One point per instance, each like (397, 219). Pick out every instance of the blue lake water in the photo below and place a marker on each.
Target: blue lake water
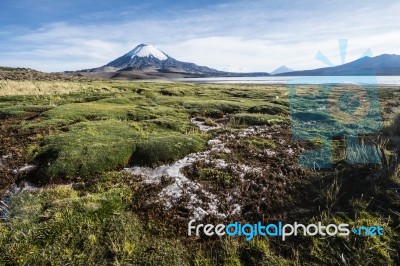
(359, 80)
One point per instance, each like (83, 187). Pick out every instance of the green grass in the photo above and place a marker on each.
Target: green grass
(271, 109)
(213, 108)
(165, 149)
(222, 178)
(57, 226)
(15, 110)
(92, 147)
(136, 109)
(260, 143)
(373, 250)
(255, 119)
(87, 148)
(101, 126)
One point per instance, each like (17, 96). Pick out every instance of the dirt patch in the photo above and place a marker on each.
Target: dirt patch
(13, 150)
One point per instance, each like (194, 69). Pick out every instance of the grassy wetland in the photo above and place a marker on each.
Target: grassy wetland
(84, 180)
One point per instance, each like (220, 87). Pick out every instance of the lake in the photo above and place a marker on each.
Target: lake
(360, 80)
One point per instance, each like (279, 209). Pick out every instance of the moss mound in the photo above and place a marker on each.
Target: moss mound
(256, 119)
(166, 149)
(271, 109)
(87, 148)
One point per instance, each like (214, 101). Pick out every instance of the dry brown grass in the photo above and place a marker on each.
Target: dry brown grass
(8, 87)
(18, 88)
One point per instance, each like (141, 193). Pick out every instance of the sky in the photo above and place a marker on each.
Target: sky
(257, 35)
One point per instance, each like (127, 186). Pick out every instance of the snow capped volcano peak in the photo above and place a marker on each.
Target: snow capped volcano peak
(147, 58)
(146, 50)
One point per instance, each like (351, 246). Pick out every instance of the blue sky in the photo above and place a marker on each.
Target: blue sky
(232, 35)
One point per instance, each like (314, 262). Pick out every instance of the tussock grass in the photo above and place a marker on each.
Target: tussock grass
(271, 109)
(212, 107)
(14, 88)
(353, 249)
(87, 148)
(257, 119)
(165, 149)
(57, 226)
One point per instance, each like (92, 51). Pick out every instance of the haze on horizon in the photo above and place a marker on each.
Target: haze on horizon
(231, 35)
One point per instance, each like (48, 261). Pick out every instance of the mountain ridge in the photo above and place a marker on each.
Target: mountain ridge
(282, 69)
(381, 65)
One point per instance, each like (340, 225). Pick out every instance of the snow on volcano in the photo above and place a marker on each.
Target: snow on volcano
(146, 50)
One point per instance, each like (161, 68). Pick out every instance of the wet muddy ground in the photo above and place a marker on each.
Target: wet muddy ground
(13, 157)
(243, 174)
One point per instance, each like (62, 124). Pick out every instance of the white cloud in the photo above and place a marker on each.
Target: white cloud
(256, 36)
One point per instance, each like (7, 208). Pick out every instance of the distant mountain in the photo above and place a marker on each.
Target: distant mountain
(145, 60)
(382, 65)
(281, 70)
